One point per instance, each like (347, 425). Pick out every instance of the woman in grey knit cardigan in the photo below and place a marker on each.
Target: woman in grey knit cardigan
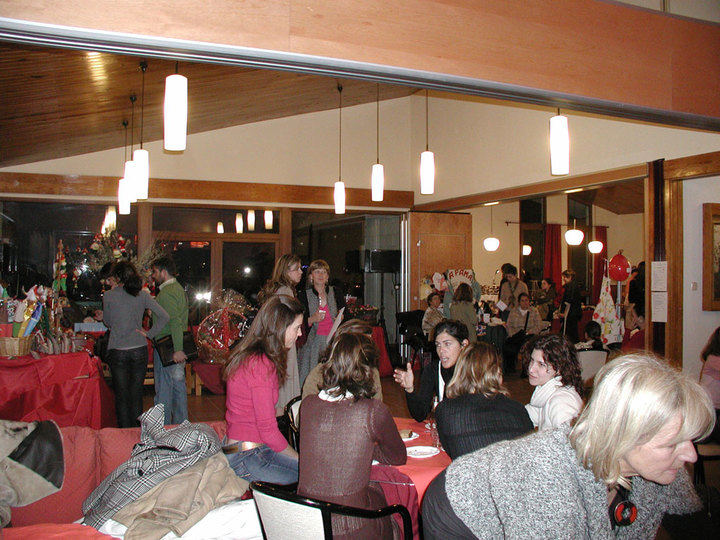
(630, 443)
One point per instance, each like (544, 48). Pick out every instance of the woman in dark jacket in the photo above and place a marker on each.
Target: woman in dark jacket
(322, 304)
(571, 297)
(476, 410)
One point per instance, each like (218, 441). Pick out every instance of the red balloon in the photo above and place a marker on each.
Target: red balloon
(619, 267)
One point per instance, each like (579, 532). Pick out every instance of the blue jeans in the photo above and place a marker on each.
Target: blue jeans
(262, 464)
(170, 390)
(127, 368)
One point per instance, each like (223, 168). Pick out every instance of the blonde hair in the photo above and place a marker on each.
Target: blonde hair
(317, 264)
(477, 371)
(634, 397)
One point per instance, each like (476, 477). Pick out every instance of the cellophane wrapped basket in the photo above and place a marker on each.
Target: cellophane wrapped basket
(15, 346)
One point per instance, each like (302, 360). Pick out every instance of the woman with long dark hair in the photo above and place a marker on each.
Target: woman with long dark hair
(286, 275)
(123, 308)
(545, 299)
(571, 304)
(710, 376)
(255, 448)
(553, 369)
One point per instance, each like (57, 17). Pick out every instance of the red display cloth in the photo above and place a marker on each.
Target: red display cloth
(211, 376)
(599, 263)
(384, 365)
(557, 324)
(67, 388)
(553, 255)
(49, 531)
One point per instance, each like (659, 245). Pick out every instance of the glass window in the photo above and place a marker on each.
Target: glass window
(247, 266)
(532, 240)
(192, 260)
(579, 258)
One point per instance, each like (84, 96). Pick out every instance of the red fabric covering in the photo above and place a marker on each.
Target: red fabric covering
(557, 324)
(211, 376)
(68, 531)
(384, 365)
(636, 342)
(553, 256)
(67, 388)
(90, 455)
(396, 488)
(599, 263)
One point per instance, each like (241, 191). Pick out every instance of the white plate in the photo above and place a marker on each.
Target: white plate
(412, 437)
(422, 451)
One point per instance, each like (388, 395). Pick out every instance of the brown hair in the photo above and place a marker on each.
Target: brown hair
(266, 335)
(353, 326)
(432, 295)
(569, 273)
(559, 353)
(463, 293)
(477, 371)
(279, 277)
(712, 346)
(349, 367)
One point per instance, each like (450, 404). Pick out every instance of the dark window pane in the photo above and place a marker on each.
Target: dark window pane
(532, 264)
(247, 266)
(192, 260)
(532, 210)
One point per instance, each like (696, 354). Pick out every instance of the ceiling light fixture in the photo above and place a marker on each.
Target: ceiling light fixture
(220, 227)
(377, 181)
(140, 156)
(596, 246)
(574, 236)
(131, 174)
(427, 158)
(491, 203)
(251, 220)
(268, 220)
(176, 112)
(123, 194)
(559, 145)
(239, 223)
(491, 243)
(339, 193)
(110, 221)
(574, 190)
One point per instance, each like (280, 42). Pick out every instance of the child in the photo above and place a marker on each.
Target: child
(593, 339)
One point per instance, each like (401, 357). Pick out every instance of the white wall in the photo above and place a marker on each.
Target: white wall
(708, 10)
(625, 231)
(697, 324)
(485, 263)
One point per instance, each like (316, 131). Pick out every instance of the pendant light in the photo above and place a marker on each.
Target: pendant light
(339, 193)
(140, 156)
(526, 250)
(131, 172)
(268, 220)
(596, 246)
(574, 236)
(427, 159)
(220, 227)
(491, 243)
(123, 195)
(175, 112)
(559, 145)
(251, 220)
(110, 221)
(239, 223)
(377, 181)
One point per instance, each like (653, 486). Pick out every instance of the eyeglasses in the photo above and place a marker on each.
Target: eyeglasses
(542, 366)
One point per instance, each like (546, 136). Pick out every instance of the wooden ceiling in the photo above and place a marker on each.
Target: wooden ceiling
(620, 198)
(57, 103)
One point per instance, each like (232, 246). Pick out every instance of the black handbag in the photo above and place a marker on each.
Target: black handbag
(165, 349)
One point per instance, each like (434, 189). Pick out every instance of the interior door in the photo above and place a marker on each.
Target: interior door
(438, 241)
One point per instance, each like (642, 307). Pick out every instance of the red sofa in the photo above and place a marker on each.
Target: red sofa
(90, 455)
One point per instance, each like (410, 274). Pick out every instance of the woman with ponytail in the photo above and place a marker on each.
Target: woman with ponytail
(123, 308)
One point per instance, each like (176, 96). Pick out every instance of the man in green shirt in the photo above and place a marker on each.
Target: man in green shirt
(170, 381)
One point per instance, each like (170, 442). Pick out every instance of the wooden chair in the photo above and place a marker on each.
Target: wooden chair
(591, 362)
(292, 414)
(285, 515)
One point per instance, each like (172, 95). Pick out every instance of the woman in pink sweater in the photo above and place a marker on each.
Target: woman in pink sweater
(254, 446)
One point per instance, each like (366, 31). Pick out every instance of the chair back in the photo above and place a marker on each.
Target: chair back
(591, 362)
(292, 416)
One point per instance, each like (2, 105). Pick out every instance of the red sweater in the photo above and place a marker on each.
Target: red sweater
(252, 392)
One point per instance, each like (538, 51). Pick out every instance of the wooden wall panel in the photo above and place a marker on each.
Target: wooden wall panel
(582, 47)
(438, 241)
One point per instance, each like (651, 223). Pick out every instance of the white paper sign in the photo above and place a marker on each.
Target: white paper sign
(658, 276)
(659, 306)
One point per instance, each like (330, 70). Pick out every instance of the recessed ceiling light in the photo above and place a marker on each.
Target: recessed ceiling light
(575, 190)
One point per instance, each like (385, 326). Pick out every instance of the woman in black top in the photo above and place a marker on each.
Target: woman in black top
(477, 411)
(571, 297)
(450, 338)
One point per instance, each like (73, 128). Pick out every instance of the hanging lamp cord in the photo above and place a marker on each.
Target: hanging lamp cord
(133, 99)
(427, 122)
(340, 89)
(377, 124)
(143, 67)
(125, 125)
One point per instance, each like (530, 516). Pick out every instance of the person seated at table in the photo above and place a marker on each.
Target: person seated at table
(631, 443)
(450, 338)
(255, 448)
(342, 431)
(511, 290)
(462, 309)
(127, 355)
(593, 338)
(524, 322)
(313, 382)
(476, 410)
(545, 299)
(553, 369)
(571, 304)
(433, 314)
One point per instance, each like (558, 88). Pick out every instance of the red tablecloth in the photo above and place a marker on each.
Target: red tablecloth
(67, 388)
(384, 365)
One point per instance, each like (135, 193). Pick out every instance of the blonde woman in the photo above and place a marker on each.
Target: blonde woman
(322, 304)
(285, 277)
(476, 410)
(615, 473)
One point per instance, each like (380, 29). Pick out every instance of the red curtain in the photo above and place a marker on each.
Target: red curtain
(553, 255)
(599, 263)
